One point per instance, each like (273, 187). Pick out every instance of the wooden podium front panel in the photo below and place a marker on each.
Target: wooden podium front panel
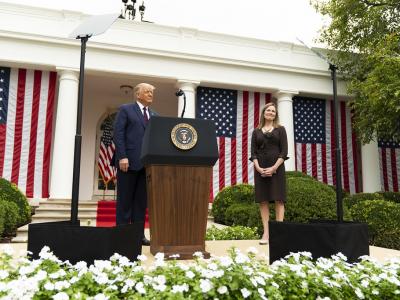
(178, 207)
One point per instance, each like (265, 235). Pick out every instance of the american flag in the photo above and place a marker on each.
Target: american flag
(106, 152)
(236, 114)
(26, 117)
(315, 142)
(389, 164)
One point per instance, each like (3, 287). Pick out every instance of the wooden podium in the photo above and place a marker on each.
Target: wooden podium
(178, 154)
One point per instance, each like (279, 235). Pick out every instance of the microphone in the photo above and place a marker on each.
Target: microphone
(182, 93)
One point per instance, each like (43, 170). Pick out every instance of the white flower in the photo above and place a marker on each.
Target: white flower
(375, 292)
(142, 257)
(183, 267)
(226, 261)
(180, 288)
(140, 288)
(205, 285)
(81, 265)
(359, 293)
(252, 250)
(25, 270)
(101, 278)
(159, 255)
(100, 297)
(254, 281)
(160, 279)
(260, 280)
(3, 274)
(60, 285)
(325, 298)
(273, 283)
(241, 258)
(49, 286)
(61, 296)
(364, 283)
(174, 256)
(124, 261)
(212, 266)
(245, 293)
(189, 274)
(222, 290)
(261, 291)
(198, 254)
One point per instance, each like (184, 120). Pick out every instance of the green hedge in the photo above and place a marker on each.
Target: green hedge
(10, 217)
(391, 196)
(2, 214)
(231, 233)
(383, 219)
(17, 203)
(351, 200)
(307, 199)
(241, 193)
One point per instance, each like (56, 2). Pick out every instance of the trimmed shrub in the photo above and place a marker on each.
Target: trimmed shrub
(9, 192)
(241, 193)
(231, 233)
(298, 174)
(383, 219)
(238, 214)
(2, 213)
(310, 199)
(10, 217)
(351, 200)
(391, 196)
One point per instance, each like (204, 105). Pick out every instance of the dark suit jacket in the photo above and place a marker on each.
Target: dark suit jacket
(128, 134)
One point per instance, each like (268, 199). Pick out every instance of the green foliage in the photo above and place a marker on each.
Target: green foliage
(350, 200)
(310, 199)
(231, 233)
(10, 217)
(365, 37)
(228, 196)
(391, 196)
(383, 219)
(290, 174)
(9, 192)
(307, 199)
(2, 214)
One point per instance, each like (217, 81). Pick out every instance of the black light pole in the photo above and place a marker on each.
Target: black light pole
(78, 136)
(339, 200)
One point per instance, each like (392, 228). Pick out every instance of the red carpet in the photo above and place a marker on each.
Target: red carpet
(106, 214)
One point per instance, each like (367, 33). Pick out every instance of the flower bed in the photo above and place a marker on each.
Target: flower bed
(236, 276)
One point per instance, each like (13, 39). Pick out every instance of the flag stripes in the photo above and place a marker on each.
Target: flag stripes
(27, 101)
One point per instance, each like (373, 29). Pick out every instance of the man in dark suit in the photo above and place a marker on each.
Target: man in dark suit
(129, 128)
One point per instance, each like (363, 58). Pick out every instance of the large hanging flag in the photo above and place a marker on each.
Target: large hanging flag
(26, 118)
(236, 114)
(315, 141)
(106, 152)
(389, 164)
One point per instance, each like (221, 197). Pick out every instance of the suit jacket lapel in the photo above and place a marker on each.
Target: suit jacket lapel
(139, 114)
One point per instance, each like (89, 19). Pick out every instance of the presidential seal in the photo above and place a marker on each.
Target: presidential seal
(184, 136)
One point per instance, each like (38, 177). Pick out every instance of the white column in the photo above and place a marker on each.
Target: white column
(189, 87)
(371, 178)
(64, 138)
(285, 111)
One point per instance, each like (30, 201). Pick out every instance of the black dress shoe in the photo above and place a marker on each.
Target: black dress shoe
(145, 242)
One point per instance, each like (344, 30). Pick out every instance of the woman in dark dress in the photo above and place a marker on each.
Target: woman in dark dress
(268, 153)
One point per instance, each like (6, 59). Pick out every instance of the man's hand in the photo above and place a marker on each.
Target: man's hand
(124, 164)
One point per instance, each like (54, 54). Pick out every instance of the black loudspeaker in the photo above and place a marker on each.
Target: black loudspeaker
(85, 243)
(322, 238)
